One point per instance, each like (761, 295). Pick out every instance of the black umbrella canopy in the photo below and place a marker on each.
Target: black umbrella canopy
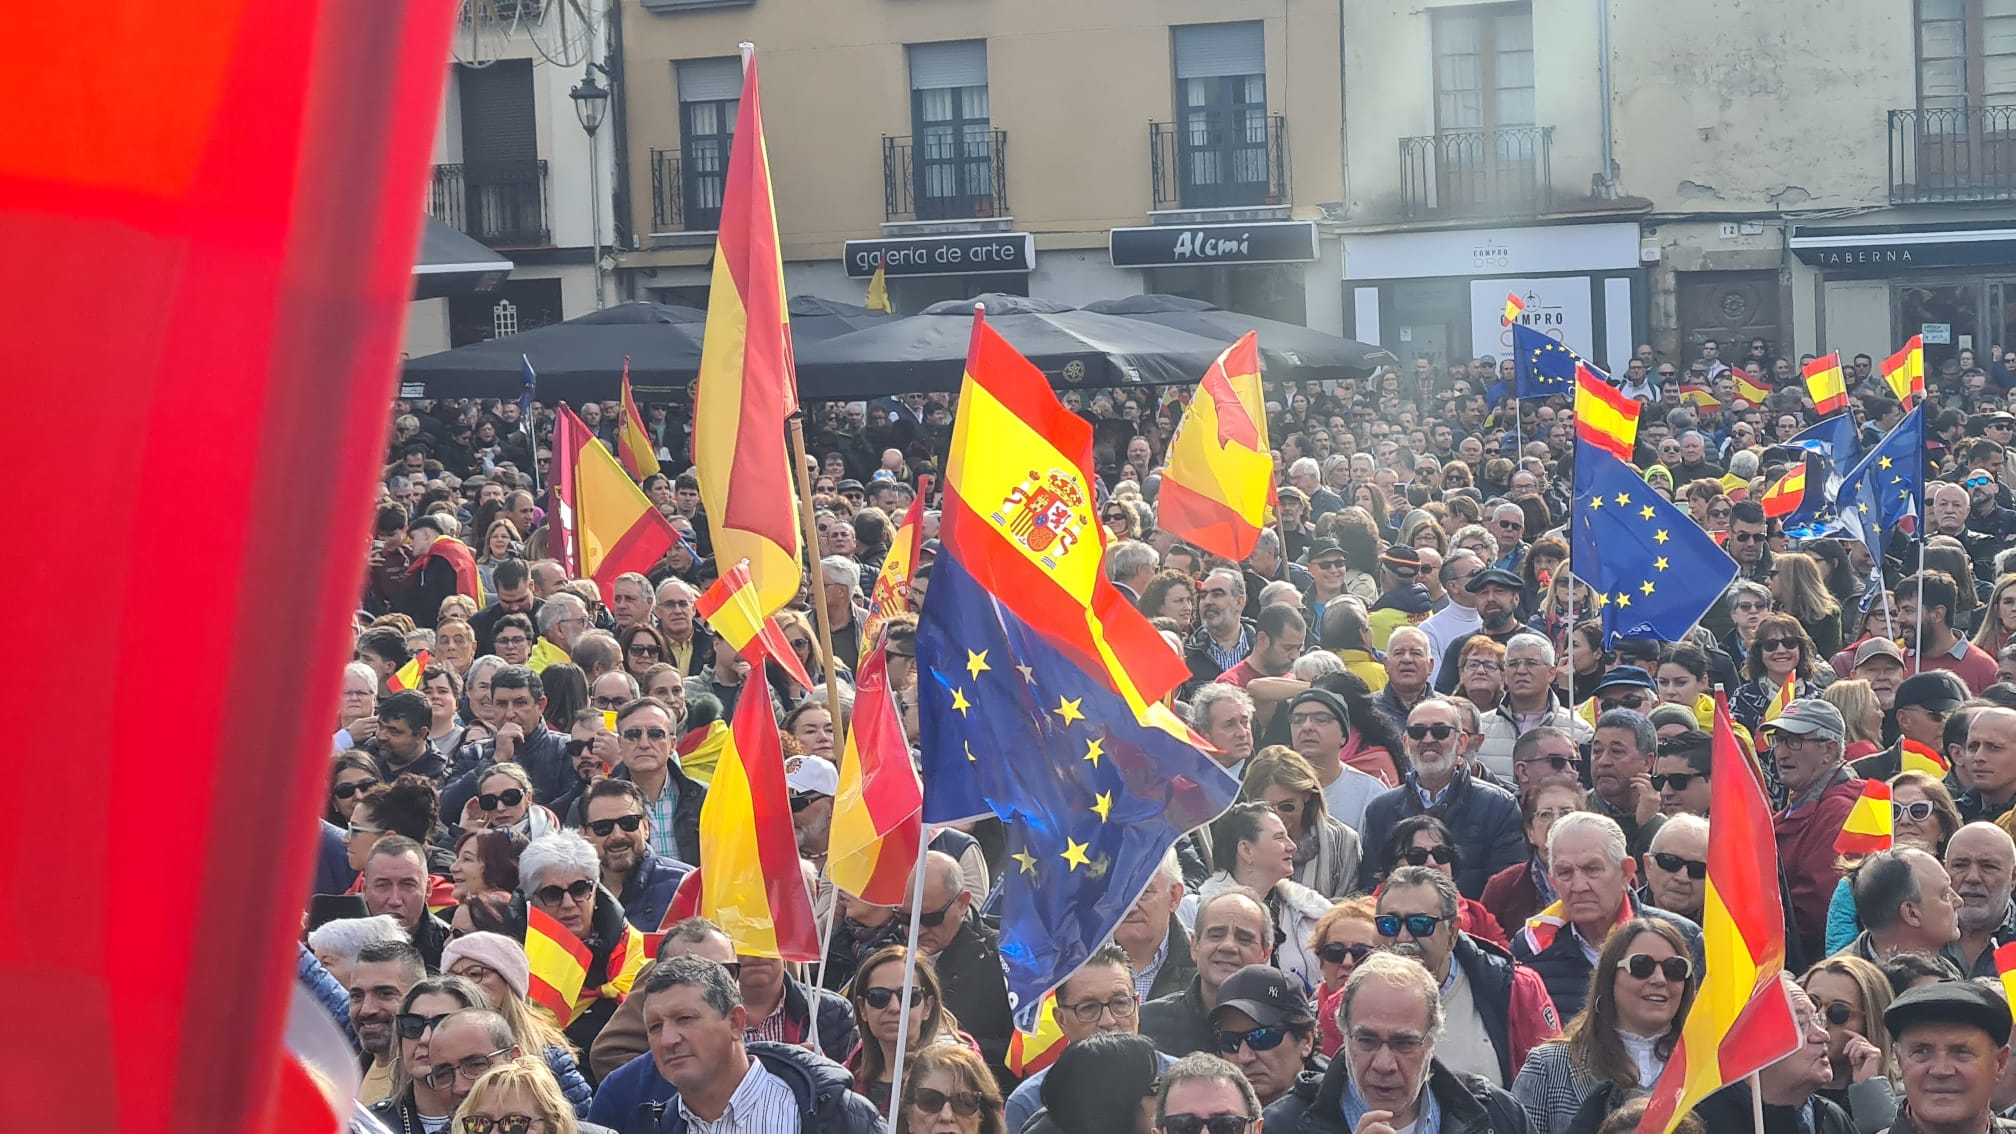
(578, 360)
(815, 320)
(1287, 350)
(1073, 348)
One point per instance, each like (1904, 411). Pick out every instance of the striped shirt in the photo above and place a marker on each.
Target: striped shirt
(762, 1104)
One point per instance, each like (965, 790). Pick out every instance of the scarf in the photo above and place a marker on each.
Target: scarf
(1542, 884)
(1542, 928)
(1427, 1121)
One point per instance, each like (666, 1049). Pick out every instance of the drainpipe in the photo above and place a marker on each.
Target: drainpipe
(1343, 120)
(1607, 180)
(623, 231)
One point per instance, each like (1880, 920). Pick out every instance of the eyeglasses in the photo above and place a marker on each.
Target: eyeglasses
(655, 734)
(1640, 966)
(1087, 1011)
(361, 829)
(1442, 853)
(1770, 644)
(880, 998)
(645, 650)
(1674, 864)
(354, 787)
(472, 1068)
(1678, 780)
(1424, 731)
(1481, 665)
(1336, 952)
(1259, 1039)
(800, 800)
(1558, 763)
(1917, 811)
(509, 797)
(601, 828)
(1839, 1013)
(1418, 925)
(934, 918)
(513, 640)
(928, 1101)
(1403, 1045)
(412, 1025)
(509, 1124)
(1205, 1124)
(551, 895)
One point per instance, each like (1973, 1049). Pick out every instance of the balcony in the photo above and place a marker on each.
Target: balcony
(1961, 153)
(503, 204)
(1219, 161)
(1507, 171)
(945, 176)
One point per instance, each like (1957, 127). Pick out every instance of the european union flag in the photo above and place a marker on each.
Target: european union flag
(1091, 796)
(1545, 367)
(1653, 570)
(1886, 487)
(1832, 446)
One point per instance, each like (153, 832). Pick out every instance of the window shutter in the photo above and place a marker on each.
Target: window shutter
(709, 80)
(941, 66)
(499, 123)
(1210, 51)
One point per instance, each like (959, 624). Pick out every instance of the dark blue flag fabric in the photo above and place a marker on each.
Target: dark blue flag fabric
(1886, 488)
(1653, 570)
(1091, 795)
(1544, 366)
(1832, 447)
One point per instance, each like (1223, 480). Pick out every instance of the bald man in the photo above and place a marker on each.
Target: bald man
(1981, 858)
(967, 956)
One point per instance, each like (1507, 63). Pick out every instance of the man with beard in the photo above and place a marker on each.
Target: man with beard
(1496, 593)
(1459, 617)
(1990, 526)
(384, 971)
(1483, 818)
(1925, 605)
(1676, 866)
(614, 819)
(1233, 931)
(1981, 860)
(1223, 636)
(1916, 708)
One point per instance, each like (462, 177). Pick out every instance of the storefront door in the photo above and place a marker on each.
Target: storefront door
(1947, 314)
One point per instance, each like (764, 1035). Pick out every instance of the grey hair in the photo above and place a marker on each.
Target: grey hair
(487, 662)
(1203, 1067)
(1743, 588)
(1209, 697)
(496, 1029)
(841, 570)
(596, 649)
(1526, 639)
(1604, 826)
(1399, 972)
(1322, 663)
(1453, 563)
(370, 676)
(1128, 558)
(1743, 463)
(559, 850)
(1643, 735)
(347, 936)
(1305, 466)
(1411, 632)
(719, 989)
(635, 579)
(1170, 870)
(1445, 889)
(629, 683)
(1277, 588)
(1508, 506)
(559, 607)
(1235, 579)
(1266, 541)
(1470, 532)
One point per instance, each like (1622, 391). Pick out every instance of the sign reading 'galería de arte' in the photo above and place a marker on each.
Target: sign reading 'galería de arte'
(1178, 245)
(943, 255)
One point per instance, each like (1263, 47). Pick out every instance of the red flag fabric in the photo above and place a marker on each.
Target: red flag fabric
(254, 173)
(606, 526)
(730, 608)
(878, 813)
(755, 889)
(633, 440)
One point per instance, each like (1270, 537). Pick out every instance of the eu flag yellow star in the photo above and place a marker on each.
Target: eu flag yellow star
(1027, 860)
(1103, 804)
(1094, 750)
(1623, 599)
(1661, 535)
(1646, 586)
(1646, 512)
(1595, 501)
(1074, 853)
(976, 664)
(1661, 563)
(1884, 462)
(1070, 708)
(1623, 498)
(959, 700)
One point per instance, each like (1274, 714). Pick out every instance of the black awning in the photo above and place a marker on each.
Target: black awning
(452, 263)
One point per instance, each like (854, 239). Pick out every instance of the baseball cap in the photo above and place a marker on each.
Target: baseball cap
(1624, 677)
(1810, 716)
(1877, 648)
(1934, 689)
(1265, 993)
(813, 774)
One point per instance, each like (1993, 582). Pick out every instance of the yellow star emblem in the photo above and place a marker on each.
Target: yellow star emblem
(1068, 708)
(1094, 750)
(1103, 805)
(960, 702)
(976, 664)
(1595, 501)
(1623, 498)
(1027, 860)
(1623, 600)
(1646, 586)
(1074, 853)
(1600, 600)
(1661, 535)
(1661, 563)
(1645, 513)
(1862, 507)
(1884, 462)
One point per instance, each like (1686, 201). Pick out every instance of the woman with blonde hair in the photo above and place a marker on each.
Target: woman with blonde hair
(1998, 618)
(1850, 995)
(804, 641)
(1327, 852)
(1801, 591)
(1420, 528)
(1862, 714)
(519, 1097)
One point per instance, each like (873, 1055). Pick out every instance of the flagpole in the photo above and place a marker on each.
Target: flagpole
(1757, 1102)
(810, 535)
(1918, 641)
(825, 948)
(909, 982)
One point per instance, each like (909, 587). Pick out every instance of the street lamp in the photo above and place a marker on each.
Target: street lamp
(591, 106)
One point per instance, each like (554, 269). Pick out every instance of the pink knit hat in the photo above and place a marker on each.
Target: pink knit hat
(496, 952)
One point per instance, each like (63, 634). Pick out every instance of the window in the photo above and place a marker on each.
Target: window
(1222, 122)
(1966, 54)
(953, 158)
(710, 93)
(1483, 68)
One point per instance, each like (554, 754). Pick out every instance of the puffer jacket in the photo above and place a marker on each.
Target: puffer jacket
(1470, 1104)
(1483, 823)
(649, 888)
(827, 1103)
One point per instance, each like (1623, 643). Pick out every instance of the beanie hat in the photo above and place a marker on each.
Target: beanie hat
(495, 951)
(1328, 700)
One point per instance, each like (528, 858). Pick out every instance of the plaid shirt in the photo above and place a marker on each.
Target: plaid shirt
(663, 840)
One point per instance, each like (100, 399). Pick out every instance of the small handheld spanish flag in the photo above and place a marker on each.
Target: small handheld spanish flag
(2005, 965)
(409, 675)
(1905, 371)
(1028, 1054)
(1825, 383)
(1916, 757)
(1748, 391)
(1513, 306)
(1784, 497)
(1787, 693)
(1868, 828)
(559, 965)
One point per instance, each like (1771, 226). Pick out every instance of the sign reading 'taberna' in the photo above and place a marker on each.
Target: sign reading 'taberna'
(1203, 245)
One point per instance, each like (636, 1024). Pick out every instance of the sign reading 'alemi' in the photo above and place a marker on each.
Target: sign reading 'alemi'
(1203, 245)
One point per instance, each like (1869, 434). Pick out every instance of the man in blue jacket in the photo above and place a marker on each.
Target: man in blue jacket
(1483, 818)
(614, 820)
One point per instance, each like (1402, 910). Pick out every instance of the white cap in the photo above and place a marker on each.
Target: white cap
(812, 773)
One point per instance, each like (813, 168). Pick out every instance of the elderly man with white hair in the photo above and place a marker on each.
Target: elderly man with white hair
(1508, 527)
(1587, 863)
(1410, 665)
(562, 620)
(1529, 703)
(1130, 564)
(560, 876)
(337, 943)
(1386, 1077)
(1307, 475)
(840, 590)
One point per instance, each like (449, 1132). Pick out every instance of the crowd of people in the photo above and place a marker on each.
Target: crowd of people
(1462, 890)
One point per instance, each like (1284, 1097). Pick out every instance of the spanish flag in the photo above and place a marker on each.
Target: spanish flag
(410, 674)
(1513, 307)
(1748, 391)
(633, 444)
(1784, 497)
(1916, 757)
(878, 814)
(1787, 693)
(559, 963)
(891, 594)
(747, 386)
(605, 523)
(1700, 397)
(878, 289)
(1905, 371)
(1741, 1020)
(1868, 828)
(1019, 513)
(2005, 966)
(731, 610)
(1220, 479)
(1604, 417)
(1824, 382)
(1027, 1053)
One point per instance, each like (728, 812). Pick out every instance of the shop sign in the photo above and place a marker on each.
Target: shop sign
(942, 255)
(1556, 306)
(1205, 245)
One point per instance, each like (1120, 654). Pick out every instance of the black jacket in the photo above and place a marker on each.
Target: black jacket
(1470, 1104)
(1483, 821)
(976, 991)
(1177, 1024)
(1489, 970)
(1729, 1109)
(1177, 970)
(430, 764)
(827, 1103)
(1566, 970)
(648, 890)
(543, 755)
(430, 937)
(484, 624)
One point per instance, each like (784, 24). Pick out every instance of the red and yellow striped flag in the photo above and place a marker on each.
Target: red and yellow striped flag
(878, 288)
(1787, 693)
(1513, 307)
(1604, 417)
(1919, 757)
(1742, 1019)
(731, 610)
(409, 675)
(747, 386)
(559, 963)
(1748, 391)
(1700, 397)
(1784, 497)
(1028, 1054)
(633, 444)
(1869, 827)
(891, 594)
(878, 813)
(2005, 966)
(1905, 371)
(1220, 478)
(1824, 382)
(606, 525)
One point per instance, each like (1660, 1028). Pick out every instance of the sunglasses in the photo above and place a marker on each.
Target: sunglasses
(1336, 952)
(1674, 864)
(933, 918)
(1328, 565)
(551, 895)
(880, 998)
(1676, 969)
(1259, 1039)
(412, 1025)
(355, 787)
(1628, 701)
(1424, 731)
(1678, 780)
(1205, 1124)
(928, 1101)
(1770, 644)
(1839, 1013)
(1419, 856)
(800, 800)
(361, 829)
(509, 1124)
(1978, 481)
(1418, 925)
(601, 828)
(509, 797)
(1558, 763)
(1917, 812)
(1510, 525)
(1747, 537)
(636, 734)
(645, 650)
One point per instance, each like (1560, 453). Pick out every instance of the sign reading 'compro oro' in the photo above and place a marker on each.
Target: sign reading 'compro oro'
(943, 255)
